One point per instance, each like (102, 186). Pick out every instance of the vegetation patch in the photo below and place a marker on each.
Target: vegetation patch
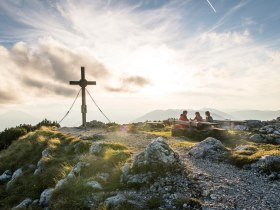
(241, 158)
(11, 134)
(25, 153)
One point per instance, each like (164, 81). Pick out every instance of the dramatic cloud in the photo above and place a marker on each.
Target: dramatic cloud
(45, 69)
(130, 84)
(7, 97)
(49, 88)
(177, 45)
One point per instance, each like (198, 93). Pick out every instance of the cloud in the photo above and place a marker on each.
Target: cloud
(46, 68)
(118, 39)
(7, 97)
(130, 84)
(136, 81)
(44, 87)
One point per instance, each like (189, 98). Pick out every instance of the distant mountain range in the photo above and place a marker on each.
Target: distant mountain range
(216, 114)
(14, 118)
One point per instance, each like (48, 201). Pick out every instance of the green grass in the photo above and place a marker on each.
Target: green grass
(241, 159)
(159, 133)
(26, 152)
(109, 162)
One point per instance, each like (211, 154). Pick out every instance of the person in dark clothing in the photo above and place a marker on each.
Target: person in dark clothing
(208, 117)
(198, 118)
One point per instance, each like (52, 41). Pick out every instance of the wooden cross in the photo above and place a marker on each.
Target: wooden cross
(83, 83)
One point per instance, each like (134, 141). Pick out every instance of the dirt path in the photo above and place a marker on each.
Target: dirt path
(226, 187)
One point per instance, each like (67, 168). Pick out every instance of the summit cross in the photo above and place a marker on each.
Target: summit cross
(83, 83)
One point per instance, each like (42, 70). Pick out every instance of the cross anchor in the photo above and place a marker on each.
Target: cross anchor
(83, 83)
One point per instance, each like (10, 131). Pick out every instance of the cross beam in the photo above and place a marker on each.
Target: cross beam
(83, 83)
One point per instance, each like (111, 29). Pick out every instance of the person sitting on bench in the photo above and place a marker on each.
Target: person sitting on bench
(208, 117)
(198, 118)
(183, 117)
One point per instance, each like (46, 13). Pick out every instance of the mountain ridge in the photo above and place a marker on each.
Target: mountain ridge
(161, 114)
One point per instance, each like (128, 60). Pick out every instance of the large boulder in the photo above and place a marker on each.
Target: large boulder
(6, 176)
(210, 148)
(157, 155)
(157, 159)
(18, 173)
(46, 197)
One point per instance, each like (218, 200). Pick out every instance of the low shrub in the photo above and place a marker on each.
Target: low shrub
(11, 134)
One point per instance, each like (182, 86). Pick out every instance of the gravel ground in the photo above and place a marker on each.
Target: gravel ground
(226, 187)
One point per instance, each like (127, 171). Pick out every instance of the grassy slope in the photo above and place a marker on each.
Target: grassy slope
(26, 152)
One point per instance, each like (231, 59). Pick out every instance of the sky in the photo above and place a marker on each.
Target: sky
(143, 55)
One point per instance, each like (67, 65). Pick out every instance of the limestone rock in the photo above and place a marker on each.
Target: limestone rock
(46, 197)
(96, 148)
(115, 200)
(156, 160)
(6, 176)
(40, 164)
(157, 155)
(39, 168)
(24, 204)
(76, 170)
(245, 149)
(60, 183)
(46, 153)
(241, 127)
(15, 176)
(257, 138)
(267, 163)
(103, 176)
(94, 185)
(210, 148)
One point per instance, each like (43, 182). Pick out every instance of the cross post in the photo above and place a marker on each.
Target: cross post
(83, 83)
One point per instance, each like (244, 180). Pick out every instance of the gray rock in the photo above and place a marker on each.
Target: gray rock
(267, 163)
(6, 176)
(94, 185)
(60, 183)
(115, 200)
(157, 155)
(210, 148)
(46, 153)
(76, 170)
(257, 138)
(156, 160)
(248, 149)
(39, 168)
(15, 176)
(277, 141)
(24, 204)
(103, 176)
(241, 127)
(96, 148)
(138, 179)
(35, 202)
(46, 197)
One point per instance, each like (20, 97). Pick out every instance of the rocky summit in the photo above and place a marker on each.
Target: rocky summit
(131, 167)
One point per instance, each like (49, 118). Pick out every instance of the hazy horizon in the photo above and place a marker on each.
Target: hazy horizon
(144, 55)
